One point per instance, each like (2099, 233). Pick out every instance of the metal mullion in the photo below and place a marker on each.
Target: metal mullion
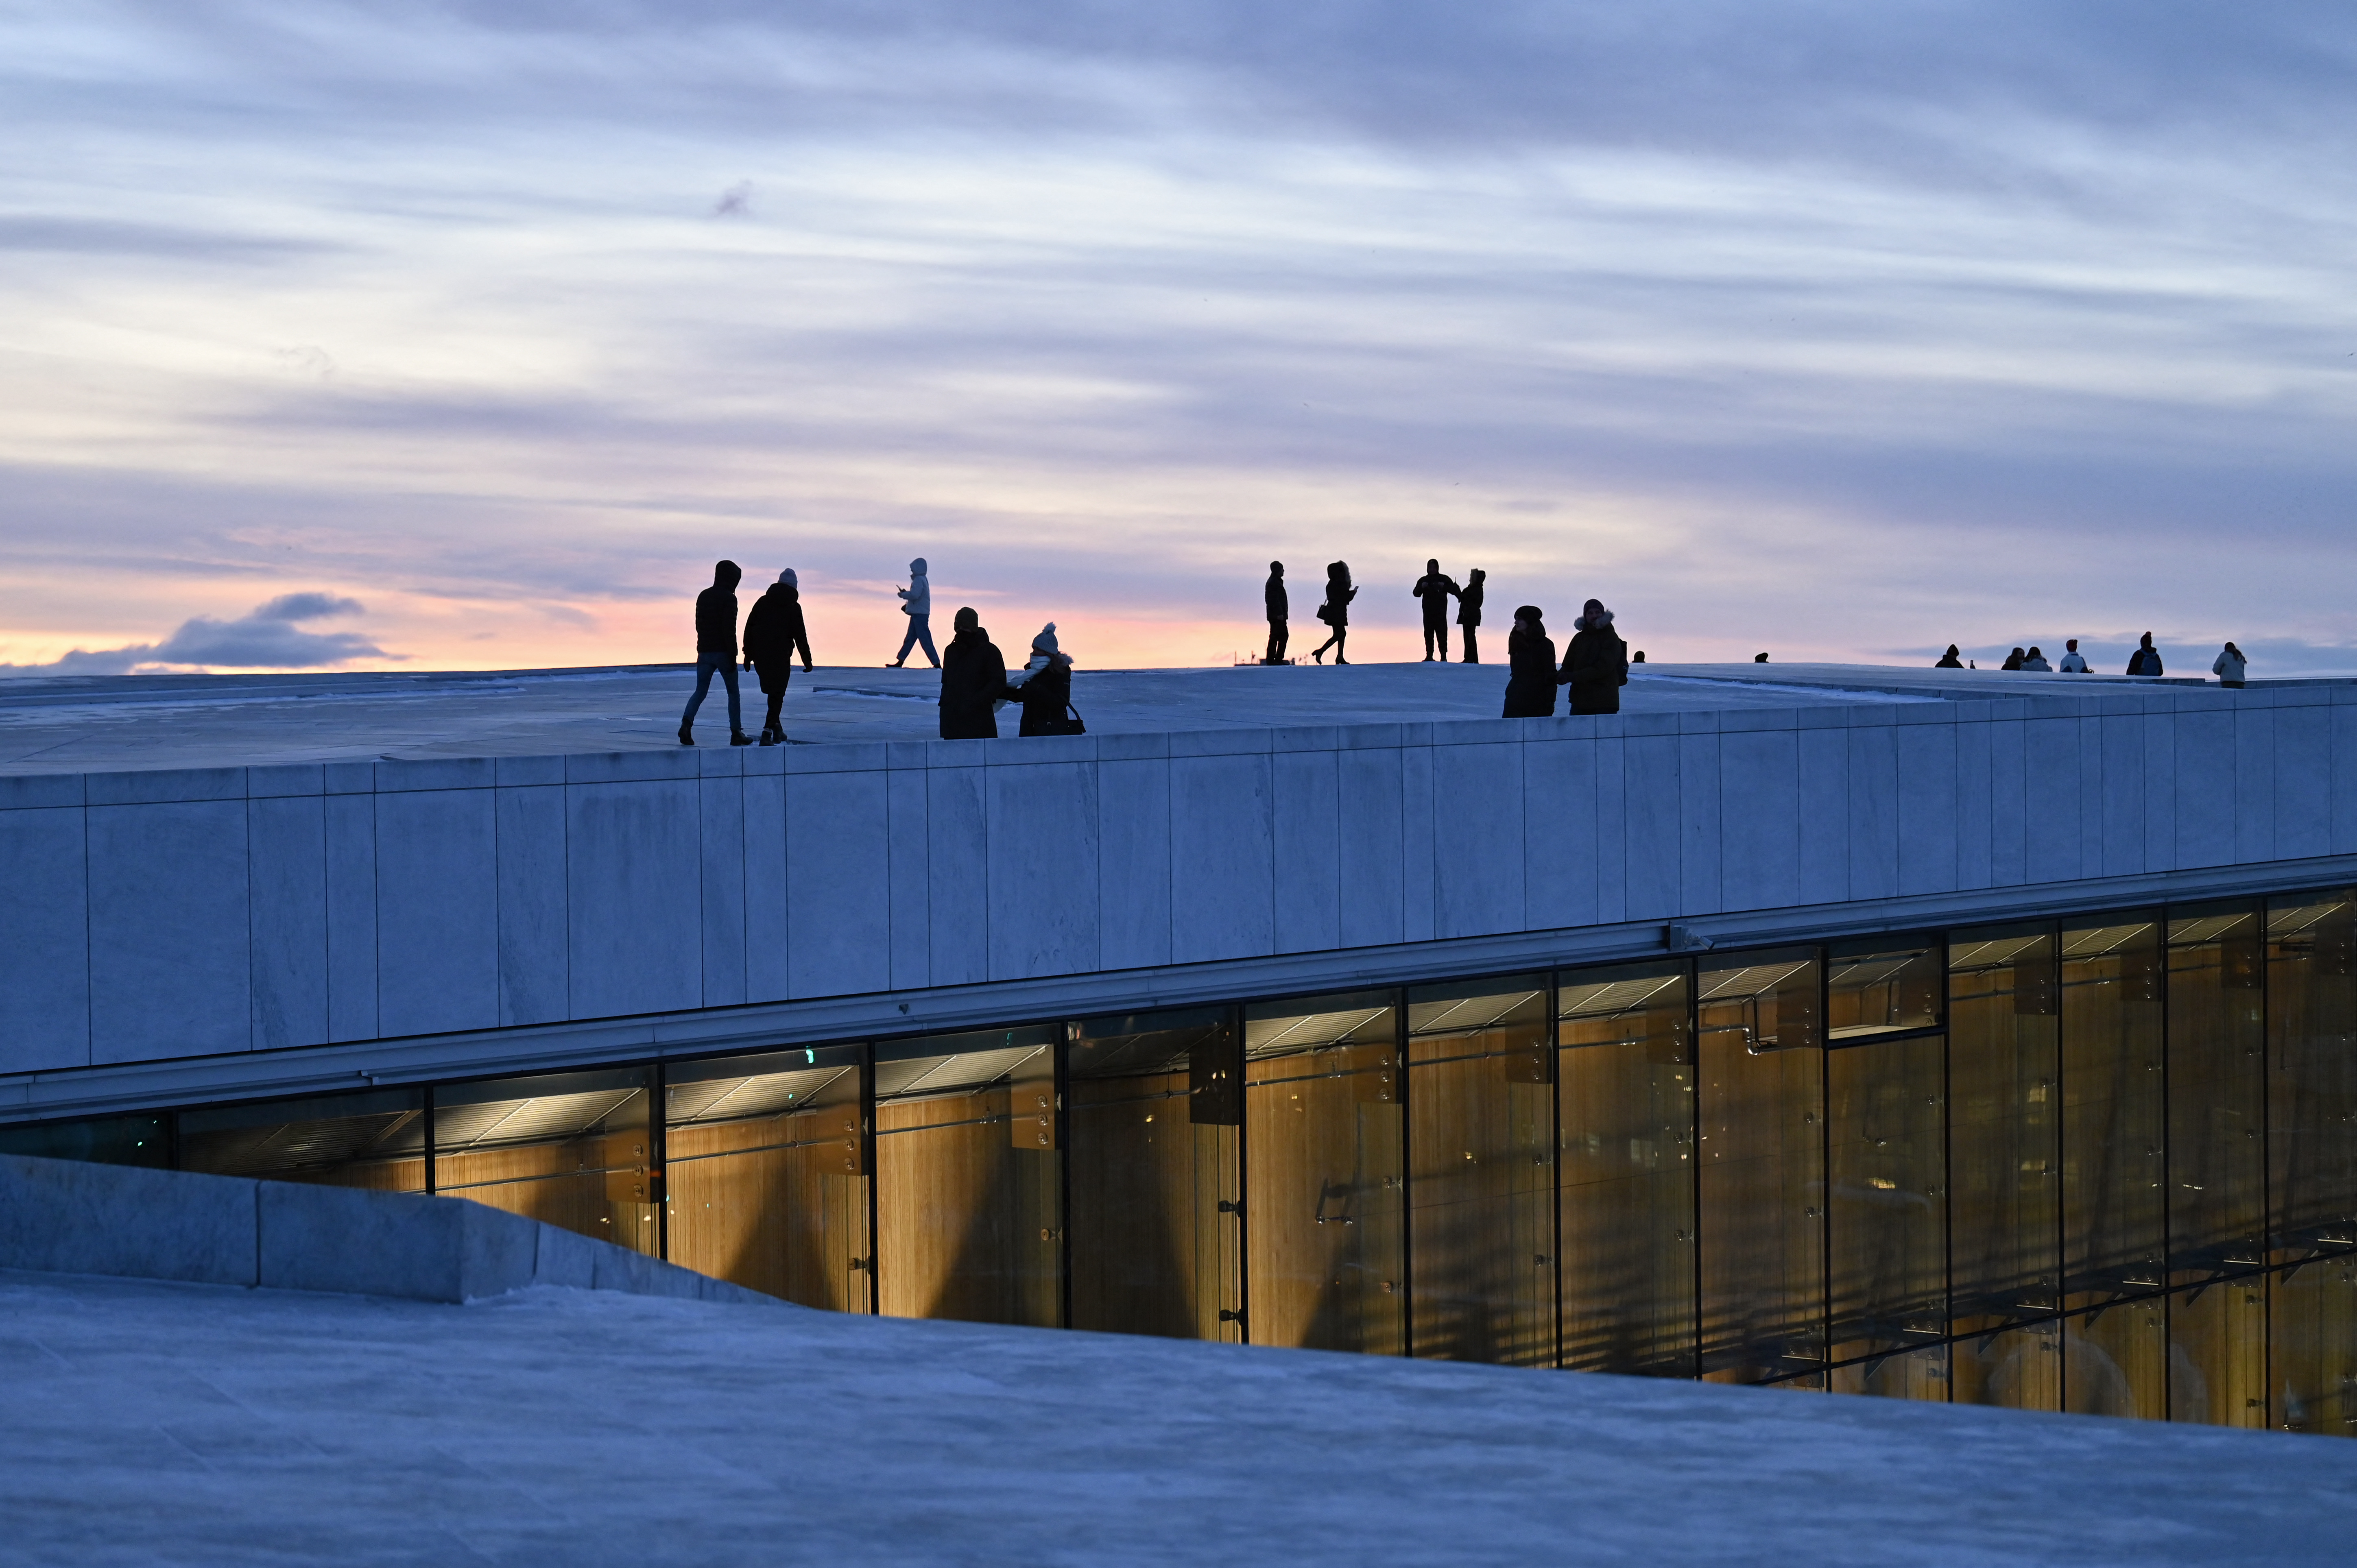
(426, 1116)
(1824, 1162)
(867, 1163)
(1694, 1148)
(1242, 1213)
(1406, 1211)
(659, 1154)
(1060, 1075)
(1554, 1145)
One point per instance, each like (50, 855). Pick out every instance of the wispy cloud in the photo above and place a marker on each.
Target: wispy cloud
(269, 637)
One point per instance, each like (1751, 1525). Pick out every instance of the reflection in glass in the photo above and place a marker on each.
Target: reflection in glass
(1324, 1219)
(765, 1168)
(1482, 1197)
(2114, 1360)
(2218, 1353)
(1888, 1233)
(373, 1139)
(1155, 1109)
(2114, 1207)
(2312, 1348)
(2312, 1074)
(1918, 1374)
(106, 1141)
(1760, 1044)
(2217, 1094)
(1881, 989)
(1626, 1077)
(2004, 1155)
(968, 1181)
(571, 1149)
(2018, 1368)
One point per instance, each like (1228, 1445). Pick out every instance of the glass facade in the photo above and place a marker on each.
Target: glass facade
(2103, 1165)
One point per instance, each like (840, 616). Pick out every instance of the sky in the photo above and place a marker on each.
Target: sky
(465, 335)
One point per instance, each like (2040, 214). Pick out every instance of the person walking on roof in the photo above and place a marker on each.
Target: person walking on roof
(973, 680)
(1044, 687)
(2146, 659)
(1336, 611)
(716, 652)
(2230, 666)
(917, 606)
(1469, 612)
(1952, 660)
(2073, 662)
(1531, 674)
(773, 630)
(1279, 613)
(1434, 589)
(1596, 666)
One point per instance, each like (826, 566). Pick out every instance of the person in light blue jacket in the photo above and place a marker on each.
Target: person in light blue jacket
(917, 603)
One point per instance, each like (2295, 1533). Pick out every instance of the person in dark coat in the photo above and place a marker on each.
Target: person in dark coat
(1434, 589)
(2146, 659)
(1596, 666)
(1531, 674)
(1952, 660)
(1279, 613)
(716, 652)
(1469, 612)
(974, 677)
(773, 630)
(1044, 684)
(2013, 659)
(1336, 611)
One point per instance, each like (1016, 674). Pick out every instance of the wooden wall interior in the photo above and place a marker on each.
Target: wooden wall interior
(1325, 1221)
(967, 1219)
(2114, 1133)
(1152, 1252)
(2311, 1004)
(1886, 1227)
(598, 1184)
(1481, 1193)
(2217, 1086)
(774, 1203)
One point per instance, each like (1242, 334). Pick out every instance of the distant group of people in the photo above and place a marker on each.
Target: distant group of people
(2231, 667)
(1435, 588)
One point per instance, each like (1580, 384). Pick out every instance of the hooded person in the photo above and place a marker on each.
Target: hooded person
(716, 652)
(917, 603)
(1469, 612)
(1952, 660)
(773, 631)
(1044, 686)
(1531, 675)
(974, 679)
(1435, 588)
(2146, 659)
(1336, 612)
(1596, 666)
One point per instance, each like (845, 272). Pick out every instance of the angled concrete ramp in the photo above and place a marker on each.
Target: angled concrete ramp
(69, 1217)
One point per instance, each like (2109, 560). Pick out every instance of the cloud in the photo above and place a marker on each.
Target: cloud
(267, 637)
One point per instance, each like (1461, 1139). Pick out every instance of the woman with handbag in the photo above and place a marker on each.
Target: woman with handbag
(1336, 612)
(1044, 687)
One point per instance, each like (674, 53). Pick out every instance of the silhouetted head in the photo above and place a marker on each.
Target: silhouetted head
(2017, 653)
(966, 620)
(1529, 618)
(1593, 617)
(917, 567)
(1432, 567)
(2071, 646)
(1759, 658)
(1954, 650)
(1337, 571)
(2236, 651)
(1276, 568)
(1046, 641)
(1477, 576)
(727, 573)
(2146, 641)
(2036, 652)
(786, 579)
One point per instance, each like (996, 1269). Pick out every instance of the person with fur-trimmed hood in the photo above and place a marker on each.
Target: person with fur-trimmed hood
(1044, 684)
(1596, 665)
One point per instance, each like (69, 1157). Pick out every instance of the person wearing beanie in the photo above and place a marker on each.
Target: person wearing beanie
(1044, 687)
(917, 603)
(1469, 612)
(716, 652)
(1531, 677)
(1596, 664)
(773, 630)
(974, 680)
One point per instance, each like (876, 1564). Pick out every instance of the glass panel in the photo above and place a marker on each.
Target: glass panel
(1881, 990)
(2313, 1317)
(1481, 1108)
(2217, 1095)
(968, 1178)
(2018, 1368)
(571, 1149)
(2218, 1353)
(2004, 1158)
(2115, 1361)
(373, 1139)
(2114, 1209)
(765, 1168)
(2312, 1077)
(1154, 1106)
(1918, 1374)
(1627, 1078)
(1763, 1259)
(1889, 1222)
(1325, 1227)
(106, 1141)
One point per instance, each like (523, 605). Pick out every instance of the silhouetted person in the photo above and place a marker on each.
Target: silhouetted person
(1336, 612)
(1280, 612)
(1531, 674)
(2230, 666)
(1434, 589)
(2146, 659)
(2012, 660)
(1044, 686)
(1596, 666)
(1638, 657)
(917, 606)
(1469, 613)
(974, 677)
(2074, 661)
(2037, 662)
(773, 630)
(1759, 658)
(1952, 660)
(716, 652)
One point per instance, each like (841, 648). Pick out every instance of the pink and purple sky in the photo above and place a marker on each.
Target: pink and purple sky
(434, 336)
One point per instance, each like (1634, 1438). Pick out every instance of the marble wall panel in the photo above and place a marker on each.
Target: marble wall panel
(720, 829)
(1927, 806)
(1134, 862)
(1478, 879)
(44, 940)
(1612, 828)
(1972, 803)
(2122, 796)
(438, 927)
(1760, 819)
(1648, 774)
(2051, 763)
(838, 858)
(2009, 803)
(957, 878)
(2344, 778)
(911, 891)
(170, 947)
(1419, 887)
(768, 974)
(2254, 809)
(1222, 858)
(1043, 869)
(1371, 896)
(535, 960)
(2159, 791)
(1873, 812)
(633, 897)
(2303, 782)
(1307, 814)
(287, 919)
(1558, 833)
(1701, 847)
(1825, 814)
(2205, 788)
(351, 823)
